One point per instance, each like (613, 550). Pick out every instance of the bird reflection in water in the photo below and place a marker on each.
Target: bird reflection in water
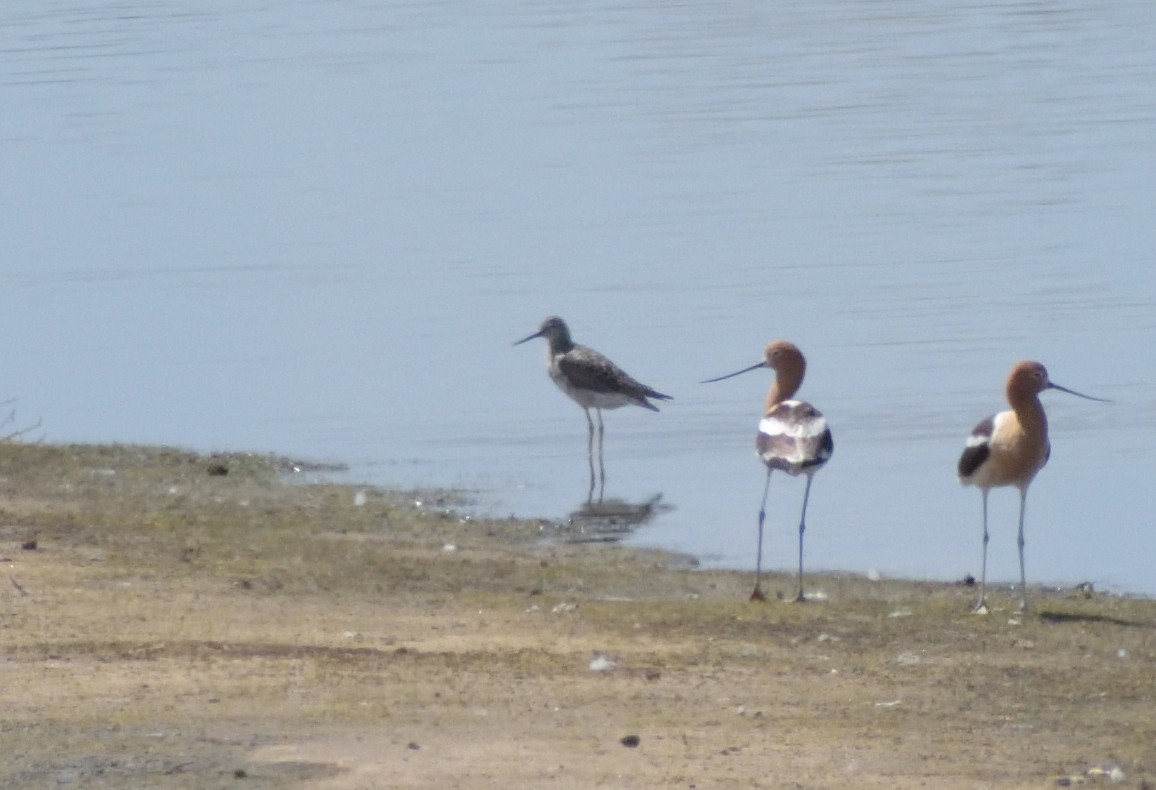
(609, 520)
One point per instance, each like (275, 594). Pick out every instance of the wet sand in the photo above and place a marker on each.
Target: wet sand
(176, 620)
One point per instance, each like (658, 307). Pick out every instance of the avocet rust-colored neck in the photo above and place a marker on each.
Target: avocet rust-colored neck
(789, 366)
(1024, 385)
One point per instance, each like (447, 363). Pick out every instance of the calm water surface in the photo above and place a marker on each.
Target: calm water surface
(316, 228)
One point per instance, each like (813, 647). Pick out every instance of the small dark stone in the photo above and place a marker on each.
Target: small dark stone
(240, 773)
(413, 745)
(218, 470)
(28, 545)
(630, 741)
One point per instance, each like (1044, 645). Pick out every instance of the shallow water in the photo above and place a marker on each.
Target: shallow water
(317, 228)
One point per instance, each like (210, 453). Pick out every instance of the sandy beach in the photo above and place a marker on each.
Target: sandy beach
(180, 620)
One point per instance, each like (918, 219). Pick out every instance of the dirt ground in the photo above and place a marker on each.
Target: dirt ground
(174, 620)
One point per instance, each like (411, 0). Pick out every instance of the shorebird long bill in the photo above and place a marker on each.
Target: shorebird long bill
(756, 366)
(1054, 386)
(528, 338)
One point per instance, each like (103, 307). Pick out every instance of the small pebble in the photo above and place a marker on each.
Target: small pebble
(631, 741)
(600, 662)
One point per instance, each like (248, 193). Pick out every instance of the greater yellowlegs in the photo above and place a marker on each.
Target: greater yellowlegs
(590, 379)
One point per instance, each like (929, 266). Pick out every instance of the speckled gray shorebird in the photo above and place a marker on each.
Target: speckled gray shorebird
(793, 437)
(590, 379)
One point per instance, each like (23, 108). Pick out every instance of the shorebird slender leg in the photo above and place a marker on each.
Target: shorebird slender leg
(803, 528)
(981, 605)
(601, 460)
(757, 595)
(1023, 576)
(589, 433)
(589, 453)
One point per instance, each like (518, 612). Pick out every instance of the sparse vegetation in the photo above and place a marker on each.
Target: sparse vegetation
(10, 428)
